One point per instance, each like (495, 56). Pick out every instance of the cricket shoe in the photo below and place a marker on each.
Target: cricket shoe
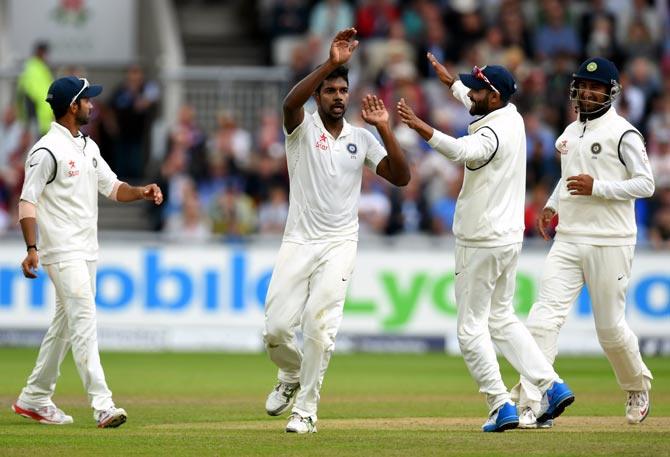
(637, 406)
(554, 401)
(51, 414)
(281, 398)
(504, 418)
(111, 417)
(527, 420)
(299, 424)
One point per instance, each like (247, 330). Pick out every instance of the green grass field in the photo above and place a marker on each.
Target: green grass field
(371, 405)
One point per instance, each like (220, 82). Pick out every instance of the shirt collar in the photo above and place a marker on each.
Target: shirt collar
(503, 111)
(604, 119)
(55, 125)
(346, 128)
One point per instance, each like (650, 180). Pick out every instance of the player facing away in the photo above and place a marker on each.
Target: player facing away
(488, 226)
(325, 157)
(64, 173)
(604, 168)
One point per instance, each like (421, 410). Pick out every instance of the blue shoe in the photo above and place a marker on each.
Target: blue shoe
(504, 418)
(555, 400)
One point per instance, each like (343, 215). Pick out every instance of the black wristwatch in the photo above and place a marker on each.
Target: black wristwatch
(32, 246)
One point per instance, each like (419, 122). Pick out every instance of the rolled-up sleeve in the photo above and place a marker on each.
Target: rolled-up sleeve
(40, 169)
(106, 177)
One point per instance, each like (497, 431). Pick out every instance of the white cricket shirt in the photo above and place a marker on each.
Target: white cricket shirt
(325, 180)
(489, 209)
(612, 151)
(63, 177)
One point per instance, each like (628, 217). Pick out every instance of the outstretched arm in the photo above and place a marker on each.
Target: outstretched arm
(481, 145)
(341, 49)
(128, 193)
(394, 167)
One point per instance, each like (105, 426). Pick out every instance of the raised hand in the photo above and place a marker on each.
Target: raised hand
(543, 221)
(441, 70)
(407, 115)
(343, 46)
(373, 111)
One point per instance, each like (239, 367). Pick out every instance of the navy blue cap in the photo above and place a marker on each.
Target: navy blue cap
(598, 69)
(63, 90)
(498, 76)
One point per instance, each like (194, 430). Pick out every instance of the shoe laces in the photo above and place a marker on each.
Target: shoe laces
(286, 390)
(637, 399)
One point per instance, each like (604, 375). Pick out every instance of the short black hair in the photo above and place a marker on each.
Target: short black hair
(339, 72)
(60, 110)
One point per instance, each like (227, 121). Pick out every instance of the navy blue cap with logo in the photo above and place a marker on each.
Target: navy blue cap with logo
(67, 90)
(493, 77)
(598, 69)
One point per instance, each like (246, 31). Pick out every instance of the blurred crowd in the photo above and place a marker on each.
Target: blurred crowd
(233, 183)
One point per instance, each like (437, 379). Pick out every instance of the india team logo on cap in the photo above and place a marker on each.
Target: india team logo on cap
(592, 66)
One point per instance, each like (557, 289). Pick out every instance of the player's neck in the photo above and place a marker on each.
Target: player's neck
(70, 124)
(333, 125)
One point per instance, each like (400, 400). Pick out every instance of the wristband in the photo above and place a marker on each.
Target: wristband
(32, 246)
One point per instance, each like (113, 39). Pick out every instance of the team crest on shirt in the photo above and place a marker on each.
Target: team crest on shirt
(596, 148)
(73, 169)
(352, 149)
(95, 163)
(563, 147)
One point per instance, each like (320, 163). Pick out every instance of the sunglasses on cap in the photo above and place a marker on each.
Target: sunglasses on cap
(86, 85)
(479, 74)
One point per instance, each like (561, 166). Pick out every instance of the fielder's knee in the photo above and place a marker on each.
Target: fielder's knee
(276, 333)
(613, 337)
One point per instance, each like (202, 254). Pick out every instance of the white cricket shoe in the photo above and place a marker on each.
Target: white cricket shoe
(528, 420)
(299, 424)
(281, 398)
(637, 406)
(51, 414)
(110, 418)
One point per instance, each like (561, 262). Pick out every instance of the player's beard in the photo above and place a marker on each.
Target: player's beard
(82, 119)
(480, 107)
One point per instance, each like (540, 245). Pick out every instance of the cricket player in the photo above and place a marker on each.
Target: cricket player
(604, 168)
(64, 173)
(325, 157)
(488, 226)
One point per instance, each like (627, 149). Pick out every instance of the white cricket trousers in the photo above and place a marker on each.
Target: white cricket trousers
(484, 286)
(606, 272)
(307, 290)
(74, 324)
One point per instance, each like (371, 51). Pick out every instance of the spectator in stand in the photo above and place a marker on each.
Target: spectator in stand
(514, 29)
(328, 17)
(374, 207)
(289, 17)
(556, 34)
(186, 138)
(538, 198)
(232, 213)
(189, 225)
(33, 85)
(134, 104)
(374, 18)
(231, 143)
(272, 214)
(659, 232)
(14, 142)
